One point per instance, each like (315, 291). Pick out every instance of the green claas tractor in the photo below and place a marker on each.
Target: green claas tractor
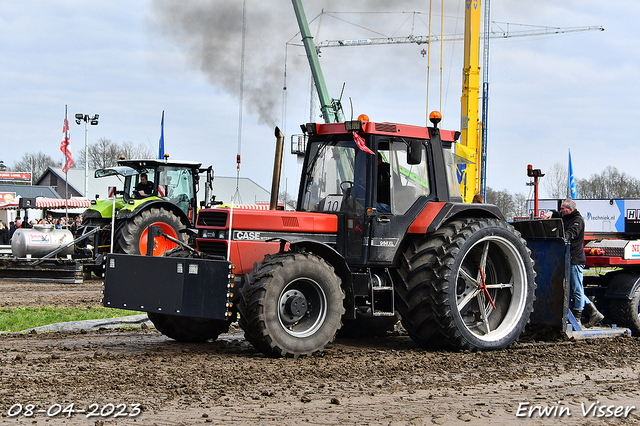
(154, 192)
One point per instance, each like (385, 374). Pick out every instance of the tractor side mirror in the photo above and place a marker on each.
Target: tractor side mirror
(414, 152)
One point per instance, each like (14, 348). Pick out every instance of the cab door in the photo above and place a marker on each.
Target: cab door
(407, 192)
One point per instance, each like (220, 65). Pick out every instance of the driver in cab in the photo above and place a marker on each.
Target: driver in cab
(144, 188)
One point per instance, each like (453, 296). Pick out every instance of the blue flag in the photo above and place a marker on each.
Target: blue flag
(161, 143)
(571, 184)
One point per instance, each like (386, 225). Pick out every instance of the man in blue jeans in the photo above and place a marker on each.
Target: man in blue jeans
(573, 224)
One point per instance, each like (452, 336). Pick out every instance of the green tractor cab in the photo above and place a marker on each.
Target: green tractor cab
(153, 193)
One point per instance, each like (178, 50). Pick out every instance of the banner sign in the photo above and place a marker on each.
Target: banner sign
(15, 176)
(7, 197)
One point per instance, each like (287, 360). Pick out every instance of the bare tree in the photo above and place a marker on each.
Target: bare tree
(105, 153)
(510, 205)
(611, 183)
(287, 199)
(556, 180)
(502, 199)
(128, 150)
(520, 205)
(35, 163)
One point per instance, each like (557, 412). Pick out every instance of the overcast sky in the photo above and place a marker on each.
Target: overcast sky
(129, 61)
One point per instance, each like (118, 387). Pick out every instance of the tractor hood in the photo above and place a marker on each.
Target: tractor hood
(119, 170)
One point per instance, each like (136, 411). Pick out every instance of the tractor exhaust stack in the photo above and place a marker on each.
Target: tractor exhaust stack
(277, 167)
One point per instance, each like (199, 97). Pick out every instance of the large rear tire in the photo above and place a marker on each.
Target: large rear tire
(132, 236)
(186, 329)
(292, 305)
(469, 285)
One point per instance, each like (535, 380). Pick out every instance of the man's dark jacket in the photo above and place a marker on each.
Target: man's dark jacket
(574, 233)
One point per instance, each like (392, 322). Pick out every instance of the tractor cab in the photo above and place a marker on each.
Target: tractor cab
(378, 186)
(172, 181)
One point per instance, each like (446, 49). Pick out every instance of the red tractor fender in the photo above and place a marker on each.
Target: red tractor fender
(437, 213)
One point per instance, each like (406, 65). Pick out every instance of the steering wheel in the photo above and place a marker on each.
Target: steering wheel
(346, 185)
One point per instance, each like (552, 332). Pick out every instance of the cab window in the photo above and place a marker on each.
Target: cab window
(406, 182)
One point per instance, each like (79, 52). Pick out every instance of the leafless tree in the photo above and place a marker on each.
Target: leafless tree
(35, 163)
(105, 153)
(555, 181)
(611, 183)
(510, 205)
(520, 205)
(287, 199)
(129, 150)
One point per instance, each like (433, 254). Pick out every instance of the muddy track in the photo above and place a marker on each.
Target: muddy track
(355, 381)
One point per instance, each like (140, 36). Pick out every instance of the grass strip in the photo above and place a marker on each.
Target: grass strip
(23, 318)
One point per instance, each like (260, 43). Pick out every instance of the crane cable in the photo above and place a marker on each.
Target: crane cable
(237, 193)
(441, 50)
(428, 63)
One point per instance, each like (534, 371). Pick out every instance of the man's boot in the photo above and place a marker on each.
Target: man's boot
(577, 314)
(594, 315)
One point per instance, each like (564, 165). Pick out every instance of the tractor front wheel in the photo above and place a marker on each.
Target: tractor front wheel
(190, 330)
(292, 305)
(132, 236)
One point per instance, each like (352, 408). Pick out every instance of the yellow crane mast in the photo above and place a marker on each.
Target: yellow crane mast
(470, 127)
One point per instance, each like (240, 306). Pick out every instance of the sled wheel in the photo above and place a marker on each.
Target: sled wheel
(625, 312)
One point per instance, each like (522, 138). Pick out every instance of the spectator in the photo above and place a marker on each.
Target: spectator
(4, 234)
(76, 224)
(573, 224)
(16, 225)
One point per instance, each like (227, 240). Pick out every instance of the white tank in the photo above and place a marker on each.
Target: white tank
(40, 241)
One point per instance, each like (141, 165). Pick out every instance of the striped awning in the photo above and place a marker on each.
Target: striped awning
(49, 203)
(56, 203)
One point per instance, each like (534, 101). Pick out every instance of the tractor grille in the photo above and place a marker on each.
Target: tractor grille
(213, 248)
(385, 127)
(212, 218)
(290, 222)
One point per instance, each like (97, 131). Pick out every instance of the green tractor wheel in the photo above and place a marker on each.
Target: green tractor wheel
(132, 236)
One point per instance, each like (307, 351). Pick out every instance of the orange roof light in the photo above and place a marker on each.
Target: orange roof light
(435, 117)
(363, 117)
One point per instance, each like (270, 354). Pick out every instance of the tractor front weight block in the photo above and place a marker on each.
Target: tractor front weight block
(190, 287)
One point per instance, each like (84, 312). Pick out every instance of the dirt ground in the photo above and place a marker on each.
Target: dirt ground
(139, 377)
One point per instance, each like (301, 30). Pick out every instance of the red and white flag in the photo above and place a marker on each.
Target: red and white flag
(360, 142)
(64, 146)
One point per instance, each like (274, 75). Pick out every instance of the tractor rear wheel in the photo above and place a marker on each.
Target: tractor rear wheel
(132, 236)
(469, 285)
(186, 329)
(292, 305)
